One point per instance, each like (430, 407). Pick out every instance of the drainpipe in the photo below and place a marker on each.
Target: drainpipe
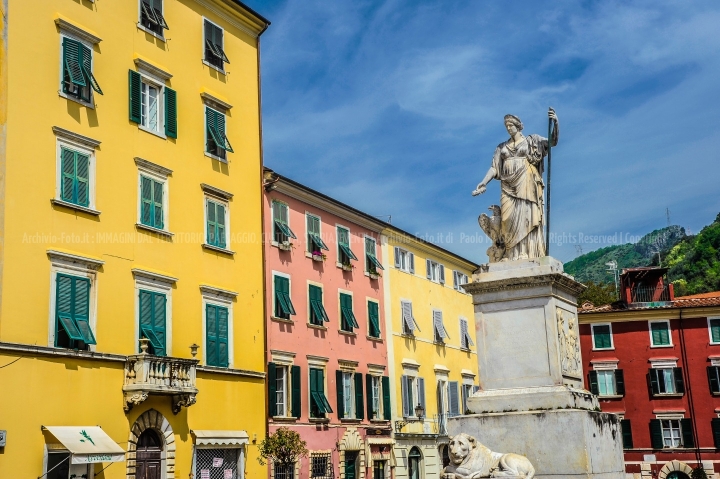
(688, 389)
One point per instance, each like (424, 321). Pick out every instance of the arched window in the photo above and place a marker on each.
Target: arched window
(677, 475)
(414, 463)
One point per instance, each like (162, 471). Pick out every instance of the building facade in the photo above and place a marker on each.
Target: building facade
(431, 341)
(327, 339)
(130, 286)
(654, 359)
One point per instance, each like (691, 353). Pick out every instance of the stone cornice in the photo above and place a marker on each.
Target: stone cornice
(144, 65)
(215, 102)
(207, 289)
(647, 314)
(142, 273)
(77, 31)
(75, 137)
(241, 18)
(212, 190)
(154, 167)
(88, 263)
(34, 350)
(559, 280)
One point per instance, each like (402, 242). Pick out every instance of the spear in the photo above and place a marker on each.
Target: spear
(547, 219)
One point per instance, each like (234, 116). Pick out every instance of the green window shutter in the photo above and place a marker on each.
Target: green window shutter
(67, 184)
(686, 426)
(716, 432)
(359, 409)
(82, 179)
(385, 386)
(374, 317)
(317, 310)
(593, 380)
(220, 209)
(212, 346)
(224, 142)
(216, 224)
(223, 353)
(159, 311)
(715, 330)
(218, 41)
(656, 435)
(272, 390)
(368, 393)
(87, 68)
(626, 434)
(170, 113)
(82, 309)
(283, 303)
(654, 383)
(679, 383)
(72, 69)
(158, 220)
(66, 305)
(340, 394)
(601, 335)
(620, 382)
(296, 391)
(210, 123)
(211, 223)
(152, 320)
(135, 90)
(712, 372)
(146, 198)
(660, 333)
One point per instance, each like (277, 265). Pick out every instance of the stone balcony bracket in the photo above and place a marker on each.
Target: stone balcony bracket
(146, 374)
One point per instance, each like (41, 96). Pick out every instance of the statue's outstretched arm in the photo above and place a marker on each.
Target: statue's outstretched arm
(481, 187)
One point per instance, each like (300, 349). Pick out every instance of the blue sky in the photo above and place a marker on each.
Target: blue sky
(395, 107)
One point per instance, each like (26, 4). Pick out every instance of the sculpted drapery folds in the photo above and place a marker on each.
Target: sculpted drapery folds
(517, 232)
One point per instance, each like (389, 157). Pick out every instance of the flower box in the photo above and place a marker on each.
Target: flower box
(348, 267)
(374, 275)
(318, 257)
(285, 246)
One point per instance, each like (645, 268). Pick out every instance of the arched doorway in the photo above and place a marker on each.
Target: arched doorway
(154, 421)
(677, 475)
(148, 458)
(414, 463)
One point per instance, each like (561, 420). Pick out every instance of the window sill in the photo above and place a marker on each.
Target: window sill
(316, 326)
(152, 132)
(349, 269)
(350, 420)
(147, 30)
(603, 349)
(347, 333)
(610, 396)
(652, 346)
(76, 100)
(373, 276)
(215, 157)
(73, 206)
(319, 420)
(281, 246)
(284, 419)
(210, 65)
(154, 230)
(668, 395)
(379, 421)
(373, 338)
(218, 249)
(282, 320)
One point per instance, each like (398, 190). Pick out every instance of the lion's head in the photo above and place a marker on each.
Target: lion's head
(460, 447)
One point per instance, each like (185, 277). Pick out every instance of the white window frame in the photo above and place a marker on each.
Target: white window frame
(145, 283)
(308, 252)
(456, 280)
(368, 299)
(146, 30)
(337, 244)
(376, 386)
(365, 262)
(404, 256)
(91, 103)
(80, 148)
(309, 306)
(61, 266)
(213, 107)
(274, 301)
(612, 340)
(339, 311)
(226, 204)
(142, 171)
(605, 373)
(148, 80)
(285, 390)
(348, 387)
(434, 272)
(666, 321)
(209, 297)
(709, 319)
(60, 449)
(205, 62)
(273, 202)
(671, 417)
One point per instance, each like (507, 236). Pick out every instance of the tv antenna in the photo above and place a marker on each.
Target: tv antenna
(613, 268)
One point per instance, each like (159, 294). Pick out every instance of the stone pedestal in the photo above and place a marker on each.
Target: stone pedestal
(532, 400)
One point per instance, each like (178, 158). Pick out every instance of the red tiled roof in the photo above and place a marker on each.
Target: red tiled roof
(694, 301)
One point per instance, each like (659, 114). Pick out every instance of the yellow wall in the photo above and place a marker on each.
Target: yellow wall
(427, 295)
(51, 388)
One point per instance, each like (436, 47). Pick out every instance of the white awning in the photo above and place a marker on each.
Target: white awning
(87, 444)
(219, 438)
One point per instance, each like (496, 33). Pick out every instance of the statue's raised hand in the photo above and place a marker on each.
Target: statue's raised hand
(479, 190)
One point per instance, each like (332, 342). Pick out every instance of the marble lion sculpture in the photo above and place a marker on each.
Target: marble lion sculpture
(471, 460)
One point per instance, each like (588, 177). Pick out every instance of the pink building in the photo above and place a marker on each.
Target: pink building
(326, 341)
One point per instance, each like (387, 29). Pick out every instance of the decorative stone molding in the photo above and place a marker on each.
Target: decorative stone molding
(467, 372)
(284, 358)
(319, 361)
(152, 276)
(672, 466)
(351, 441)
(152, 419)
(347, 365)
(91, 264)
(215, 102)
(153, 70)
(152, 167)
(75, 137)
(77, 31)
(206, 289)
(146, 374)
(217, 192)
(376, 369)
(560, 281)
(569, 343)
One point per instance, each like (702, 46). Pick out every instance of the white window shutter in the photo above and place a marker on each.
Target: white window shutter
(428, 266)
(456, 281)
(412, 262)
(397, 257)
(442, 274)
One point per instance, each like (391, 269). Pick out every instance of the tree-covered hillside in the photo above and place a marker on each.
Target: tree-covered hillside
(695, 262)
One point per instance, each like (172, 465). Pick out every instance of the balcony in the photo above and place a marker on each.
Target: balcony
(437, 425)
(652, 296)
(146, 374)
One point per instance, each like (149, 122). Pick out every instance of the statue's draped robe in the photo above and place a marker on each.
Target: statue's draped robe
(519, 171)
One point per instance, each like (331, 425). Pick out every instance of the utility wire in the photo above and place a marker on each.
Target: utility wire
(11, 362)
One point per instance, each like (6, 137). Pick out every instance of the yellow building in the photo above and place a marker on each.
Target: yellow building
(131, 272)
(432, 355)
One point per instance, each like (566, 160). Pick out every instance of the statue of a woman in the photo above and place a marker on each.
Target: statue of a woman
(518, 165)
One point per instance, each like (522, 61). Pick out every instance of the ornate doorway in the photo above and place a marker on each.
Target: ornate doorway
(148, 459)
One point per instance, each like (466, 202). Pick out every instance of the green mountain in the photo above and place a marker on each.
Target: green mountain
(591, 267)
(694, 261)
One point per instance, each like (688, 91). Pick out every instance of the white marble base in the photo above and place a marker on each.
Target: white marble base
(541, 398)
(561, 444)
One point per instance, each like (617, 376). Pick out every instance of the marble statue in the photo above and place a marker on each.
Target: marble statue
(471, 460)
(518, 165)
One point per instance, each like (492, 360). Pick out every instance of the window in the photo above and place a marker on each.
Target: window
(607, 382)
(409, 323)
(378, 470)
(315, 244)
(317, 311)
(60, 466)
(660, 333)
(372, 265)
(216, 216)
(320, 465)
(435, 271)
(404, 260)
(319, 405)
(438, 327)
(151, 202)
(283, 304)
(214, 46)
(465, 339)
(216, 348)
(72, 312)
(459, 278)
(374, 395)
(151, 16)
(282, 471)
(666, 380)
(347, 318)
(414, 463)
(441, 396)
(669, 433)
(75, 176)
(216, 141)
(284, 390)
(220, 463)
(373, 319)
(602, 336)
(714, 327)
(713, 373)
(626, 433)
(453, 399)
(466, 393)
(281, 231)
(77, 76)
(152, 320)
(346, 395)
(152, 105)
(345, 254)
(413, 394)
